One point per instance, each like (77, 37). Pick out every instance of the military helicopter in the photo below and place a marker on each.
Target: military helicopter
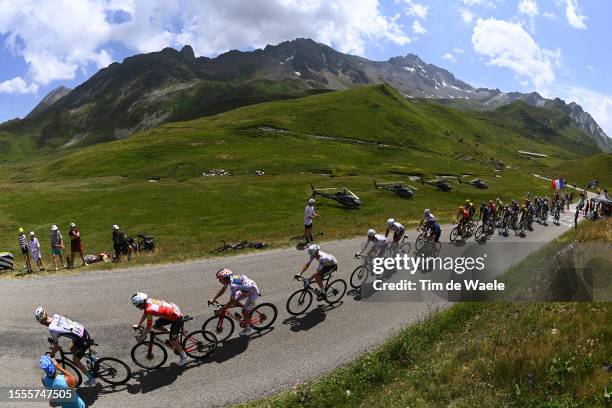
(439, 182)
(342, 195)
(400, 189)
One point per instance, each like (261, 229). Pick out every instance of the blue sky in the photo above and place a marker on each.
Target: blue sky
(555, 47)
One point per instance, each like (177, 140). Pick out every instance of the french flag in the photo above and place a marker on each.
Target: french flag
(558, 184)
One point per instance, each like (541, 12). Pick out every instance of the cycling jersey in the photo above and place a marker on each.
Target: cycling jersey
(161, 308)
(325, 259)
(464, 214)
(62, 326)
(240, 283)
(429, 218)
(397, 227)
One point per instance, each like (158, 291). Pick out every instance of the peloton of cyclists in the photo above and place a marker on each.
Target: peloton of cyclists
(327, 265)
(241, 287)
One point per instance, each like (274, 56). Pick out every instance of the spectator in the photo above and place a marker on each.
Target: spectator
(57, 246)
(76, 245)
(309, 215)
(34, 247)
(23, 243)
(60, 381)
(121, 244)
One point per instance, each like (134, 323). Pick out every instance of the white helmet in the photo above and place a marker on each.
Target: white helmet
(426, 212)
(313, 249)
(311, 201)
(390, 222)
(371, 233)
(40, 313)
(115, 227)
(139, 298)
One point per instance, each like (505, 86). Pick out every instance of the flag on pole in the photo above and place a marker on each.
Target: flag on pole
(558, 184)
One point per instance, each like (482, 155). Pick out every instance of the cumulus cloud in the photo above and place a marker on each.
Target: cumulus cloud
(508, 45)
(528, 7)
(450, 56)
(574, 18)
(416, 9)
(58, 38)
(417, 28)
(549, 15)
(17, 86)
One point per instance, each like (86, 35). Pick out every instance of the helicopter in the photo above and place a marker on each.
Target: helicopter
(400, 189)
(342, 195)
(478, 183)
(438, 182)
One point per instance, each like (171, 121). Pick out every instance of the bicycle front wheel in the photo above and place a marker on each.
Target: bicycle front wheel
(222, 327)
(419, 243)
(480, 233)
(263, 316)
(200, 344)
(335, 291)
(405, 247)
(149, 355)
(454, 234)
(299, 302)
(112, 371)
(358, 277)
(72, 369)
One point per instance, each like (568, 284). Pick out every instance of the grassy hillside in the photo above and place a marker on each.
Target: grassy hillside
(481, 354)
(334, 139)
(583, 170)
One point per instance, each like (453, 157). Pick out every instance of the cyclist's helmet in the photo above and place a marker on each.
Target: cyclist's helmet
(40, 314)
(313, 249)
(371, 233)
(224, 273)
(139, 298)
(311, 201)
(467, 201)
(390, 222)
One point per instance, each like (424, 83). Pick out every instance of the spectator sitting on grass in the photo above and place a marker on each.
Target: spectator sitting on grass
(23, 243)
(76, 245)
(57, 246)
(34, 247)
(61, 380)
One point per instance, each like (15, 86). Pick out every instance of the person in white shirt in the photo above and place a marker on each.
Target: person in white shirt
(379, 244)
(309, 215)
(327, 265)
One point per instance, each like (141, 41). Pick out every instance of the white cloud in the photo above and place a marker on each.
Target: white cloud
(417, 28)
(528, 7)
(509, 45)
(449, 56)
(17, 86)
(591, 69)
(416, 9)
(458, 50)
(574, 18)
(467, 16)
(549, 15)
(58, 38)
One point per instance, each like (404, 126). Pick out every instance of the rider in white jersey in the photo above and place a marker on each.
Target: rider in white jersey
(327, 264)
(397, 228)
(61, 326)
(379, 244)
(241, 287)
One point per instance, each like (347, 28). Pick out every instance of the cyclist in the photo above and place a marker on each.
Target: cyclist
(167, 314)
(484, 213)
(398, 231)
(471, 209)
(241, 287)
(379, 244)
(492, 211)
(430, 223)
(59, 325)
(463, 217)
(523, 214)
(327, 265)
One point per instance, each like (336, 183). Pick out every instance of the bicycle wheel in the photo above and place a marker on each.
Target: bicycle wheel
(480, 233)
(299, 302)
(358, 277)
(335, 291)
(419, 243)
(200, 344)
(72, 369)
(112, 371)
(405, 246)
(149, 355)
(263, 316)
(454, 234)
(222, 328)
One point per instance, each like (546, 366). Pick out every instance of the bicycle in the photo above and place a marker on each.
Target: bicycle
(108, 369)
(334, 291)
(484, 231)
(151, 353)
(238, 246)
(426, 244)
(262, 317)
(463, 233)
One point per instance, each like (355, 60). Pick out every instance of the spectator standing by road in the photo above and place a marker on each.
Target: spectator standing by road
(25, 251)
(309, 215)
(34, 247)
(56, 378)
(76, 245)
(117, 242)
(57, 246)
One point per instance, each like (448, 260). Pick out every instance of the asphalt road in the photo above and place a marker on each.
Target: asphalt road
(295, 350)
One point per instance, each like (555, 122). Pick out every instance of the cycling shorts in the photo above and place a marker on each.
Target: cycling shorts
(80, 344)
(175, 325)
(397, 235)
(250, 297)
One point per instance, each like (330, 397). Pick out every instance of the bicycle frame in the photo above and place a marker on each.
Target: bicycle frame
(255, 318)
